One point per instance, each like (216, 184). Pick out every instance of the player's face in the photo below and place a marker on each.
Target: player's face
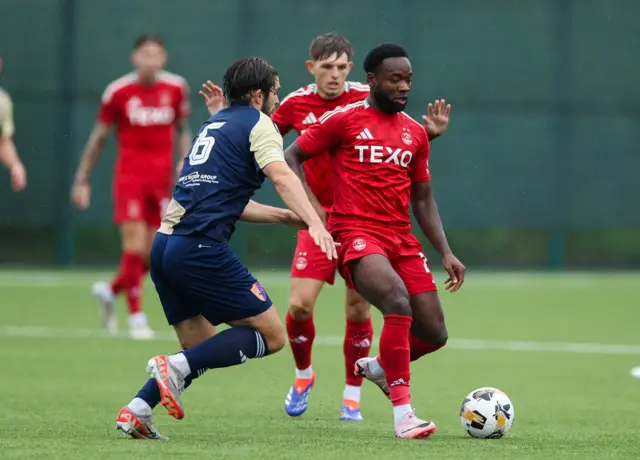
(149, 59)
(270, 103)
(330, 74)
(391, 85)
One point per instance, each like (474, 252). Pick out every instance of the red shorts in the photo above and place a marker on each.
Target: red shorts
(310, 262)
(135, 201)
(402, 249)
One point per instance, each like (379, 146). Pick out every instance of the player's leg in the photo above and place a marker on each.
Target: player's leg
(135, 241)
(216, 284)
(428, 330)
(129, 216)
(357, 343)
(377, 281)
(135, 419)
(310, 270)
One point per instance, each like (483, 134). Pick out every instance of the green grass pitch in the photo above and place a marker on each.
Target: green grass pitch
(560, 345)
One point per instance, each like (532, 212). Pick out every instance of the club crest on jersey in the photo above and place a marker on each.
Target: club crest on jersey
(258, 291)
(359, 244)
(133, 209)
(301, 261)
(165, 98)
(406, 136)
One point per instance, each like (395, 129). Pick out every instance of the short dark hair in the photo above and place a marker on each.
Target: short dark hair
(380, 53)
(247, 75)
(148, 38)
(327, 44)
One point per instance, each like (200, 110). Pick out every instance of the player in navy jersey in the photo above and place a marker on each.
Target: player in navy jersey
(200, 282)
(379, 159)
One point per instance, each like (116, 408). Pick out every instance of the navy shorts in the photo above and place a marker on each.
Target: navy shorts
(195, 275)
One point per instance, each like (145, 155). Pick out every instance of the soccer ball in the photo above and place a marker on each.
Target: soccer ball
(487, 413)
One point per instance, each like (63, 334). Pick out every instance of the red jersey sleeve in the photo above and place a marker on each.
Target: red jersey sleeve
(420, 164)
(283, 118)
(108, 112)
(184, 104)
(325, 135)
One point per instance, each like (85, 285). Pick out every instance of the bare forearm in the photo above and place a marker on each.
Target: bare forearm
(293, 160)
(293, 194)
(91, 153)
(8, 154)
(428, 217)
(258, 213)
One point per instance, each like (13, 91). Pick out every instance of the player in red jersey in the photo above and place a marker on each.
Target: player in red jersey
(147, 106)
(379, 158)
(330, 64)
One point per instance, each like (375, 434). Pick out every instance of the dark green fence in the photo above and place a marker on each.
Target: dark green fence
(539, 168)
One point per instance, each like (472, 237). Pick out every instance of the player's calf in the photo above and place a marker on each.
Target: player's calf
(357, 343)
(301, 333)
(428, 331)
(378, 282)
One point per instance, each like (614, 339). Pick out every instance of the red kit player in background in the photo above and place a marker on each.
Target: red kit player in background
(330, 65)
(379, 159)
(147, 107)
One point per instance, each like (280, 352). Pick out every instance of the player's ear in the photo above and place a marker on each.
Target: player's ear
(349, 67)
(165, 59)
(371, 79)
(310, 66)
(257, 98)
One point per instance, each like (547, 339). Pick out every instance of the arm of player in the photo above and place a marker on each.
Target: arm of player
(319, 139)
(259, 213)
(185, 137)
(295, 157)
(9, 157)
(426, 212)
(81, 191)
(266, 143)
(8, 153)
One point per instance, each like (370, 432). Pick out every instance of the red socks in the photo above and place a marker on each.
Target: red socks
(357, 343)
(420, 348)
(394, 357)
(301, 335)
(132, 268)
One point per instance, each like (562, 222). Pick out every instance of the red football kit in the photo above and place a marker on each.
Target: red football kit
(299, 111)
(375, 157)
(145, 117)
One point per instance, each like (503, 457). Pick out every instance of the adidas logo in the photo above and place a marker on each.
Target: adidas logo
(310, 119)
(243, 357)
(366, 134)
(299, 340)
(398, 382)
(362, 344)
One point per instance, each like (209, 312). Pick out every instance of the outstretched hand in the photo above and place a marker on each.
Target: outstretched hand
(437, 120)
(213, 97)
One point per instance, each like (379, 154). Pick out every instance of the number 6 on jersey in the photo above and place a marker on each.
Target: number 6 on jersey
(203, 145)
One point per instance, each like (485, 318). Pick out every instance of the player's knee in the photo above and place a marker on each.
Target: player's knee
(397, 303)
(441, 337)
(358, 309)
(434, 334)
(301, 307)
(276, 340)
